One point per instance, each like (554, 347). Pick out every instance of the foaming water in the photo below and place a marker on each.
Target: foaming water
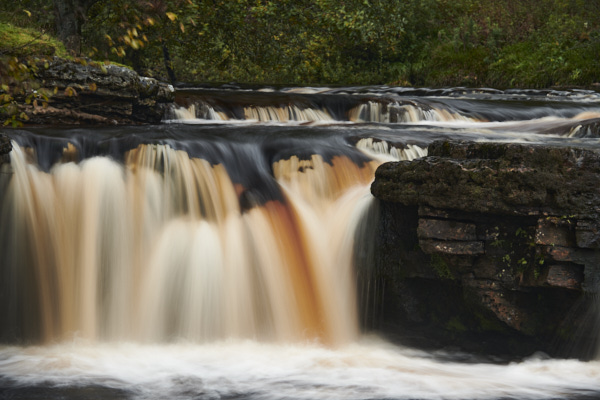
(368, 369)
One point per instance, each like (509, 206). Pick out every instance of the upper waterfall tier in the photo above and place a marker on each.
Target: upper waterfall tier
(380, 105)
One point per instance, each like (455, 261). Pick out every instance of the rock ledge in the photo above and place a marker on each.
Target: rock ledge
(491, 238)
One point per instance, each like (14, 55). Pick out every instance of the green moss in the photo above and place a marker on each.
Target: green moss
(24, 41)
(440, 267)
(488, 324)
(455, 325)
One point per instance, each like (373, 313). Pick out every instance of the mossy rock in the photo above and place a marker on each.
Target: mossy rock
(21, 42)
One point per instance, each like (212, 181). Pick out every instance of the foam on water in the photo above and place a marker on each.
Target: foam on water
(368, 369)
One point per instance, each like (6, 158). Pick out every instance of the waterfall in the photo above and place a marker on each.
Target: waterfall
(159, 248)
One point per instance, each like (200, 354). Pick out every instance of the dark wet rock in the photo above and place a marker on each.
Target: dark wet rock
(589, 128)
(505, 236)
(510, 179)
(93, 93)
(5, 145)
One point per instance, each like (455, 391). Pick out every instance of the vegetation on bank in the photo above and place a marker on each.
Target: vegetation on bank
(500, 43)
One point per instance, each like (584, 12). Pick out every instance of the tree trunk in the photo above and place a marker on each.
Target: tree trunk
(68, 26)
(70, 16)
(168, 63)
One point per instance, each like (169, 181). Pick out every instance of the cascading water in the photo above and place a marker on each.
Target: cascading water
(217, 261)
(159, 248)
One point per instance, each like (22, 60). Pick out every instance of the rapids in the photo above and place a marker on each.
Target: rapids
(213, 256)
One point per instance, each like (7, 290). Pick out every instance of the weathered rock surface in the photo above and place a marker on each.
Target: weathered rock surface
(491, 239)
(91, 93)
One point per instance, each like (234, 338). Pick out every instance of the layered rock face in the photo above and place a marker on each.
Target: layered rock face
(97, 94)
(496, 244)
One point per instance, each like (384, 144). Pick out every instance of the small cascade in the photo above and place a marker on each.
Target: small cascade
(196, 111)
(370, 111)
(286, 114)
(403, 112)
(383, 152)
(412, 113)
(586, 129)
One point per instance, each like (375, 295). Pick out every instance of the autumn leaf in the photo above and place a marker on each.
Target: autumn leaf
(70, 92)
(171, 16)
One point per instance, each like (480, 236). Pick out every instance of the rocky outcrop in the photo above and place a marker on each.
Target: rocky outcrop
(494, 241)
(92, 93)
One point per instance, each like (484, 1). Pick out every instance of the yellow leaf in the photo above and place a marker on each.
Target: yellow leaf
(171, 16)
(27, 12)
(70, 92)
(93, 87)
(182, 27)
(55, 89)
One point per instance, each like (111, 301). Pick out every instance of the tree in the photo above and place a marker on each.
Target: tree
(70, 16)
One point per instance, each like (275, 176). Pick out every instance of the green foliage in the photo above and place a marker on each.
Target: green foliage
(318, 41)
(514, 44)
(504, 43)
(35, 14)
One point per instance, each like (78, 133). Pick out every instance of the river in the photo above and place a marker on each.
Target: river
(212, 256)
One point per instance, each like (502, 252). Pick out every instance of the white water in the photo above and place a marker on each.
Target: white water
(368, 369)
